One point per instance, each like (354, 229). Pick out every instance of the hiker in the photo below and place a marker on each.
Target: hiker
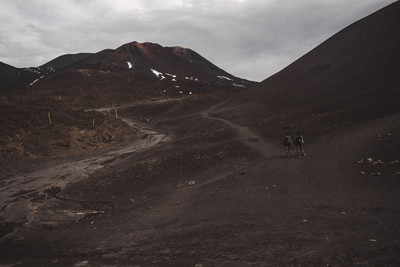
(287, 141)
(299, 141)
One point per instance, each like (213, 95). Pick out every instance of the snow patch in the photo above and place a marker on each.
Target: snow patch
(224, 77)
(129, 64)
(32, 83)
(158, 74)
(192, 79)
(238, 85)
(172, 75)
(41, 77)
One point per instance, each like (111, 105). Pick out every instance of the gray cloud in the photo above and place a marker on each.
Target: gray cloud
(249, 38)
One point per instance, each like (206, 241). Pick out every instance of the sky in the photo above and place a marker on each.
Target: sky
(251, 39)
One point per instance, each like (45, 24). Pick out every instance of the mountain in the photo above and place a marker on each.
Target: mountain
(198, 61)
(58, 92)
(16, 78)
(361, 59)
(132, 72)
(142, 62)
(11, 77)
(353, 76)
(152, 61)
(7, 73)
(64, 61)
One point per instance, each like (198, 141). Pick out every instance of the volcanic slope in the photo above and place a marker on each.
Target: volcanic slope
(15, 78)
(137, 71)
(353, 76)
(12, 78)
(65, 61)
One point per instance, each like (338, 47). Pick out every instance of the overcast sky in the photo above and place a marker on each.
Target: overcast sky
(252, 39)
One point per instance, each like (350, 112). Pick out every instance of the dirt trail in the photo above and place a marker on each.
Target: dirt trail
(245, 135)
(249, 209)
(174, 208)
(18, 193)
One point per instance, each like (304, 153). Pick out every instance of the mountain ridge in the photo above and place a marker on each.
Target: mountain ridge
(144, 60)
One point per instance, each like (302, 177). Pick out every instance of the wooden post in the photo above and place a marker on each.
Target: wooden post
(116, 113)
(48, 115)
(93, 123)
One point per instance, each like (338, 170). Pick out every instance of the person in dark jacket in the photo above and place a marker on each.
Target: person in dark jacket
(287, 141)
(299, 141)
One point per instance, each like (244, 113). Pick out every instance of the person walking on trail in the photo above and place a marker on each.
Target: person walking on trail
(287, 141)
(299, 141)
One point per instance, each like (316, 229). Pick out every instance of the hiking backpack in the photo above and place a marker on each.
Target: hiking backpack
(299, 140)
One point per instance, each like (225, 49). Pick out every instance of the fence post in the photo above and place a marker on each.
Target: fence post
(48, 115)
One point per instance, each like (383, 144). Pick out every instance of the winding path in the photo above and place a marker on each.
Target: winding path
(244, 134)
(17, 192)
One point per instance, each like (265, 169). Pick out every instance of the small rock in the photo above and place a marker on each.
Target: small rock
(191, 182)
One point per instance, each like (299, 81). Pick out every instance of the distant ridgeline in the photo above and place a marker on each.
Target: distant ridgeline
(131, 62)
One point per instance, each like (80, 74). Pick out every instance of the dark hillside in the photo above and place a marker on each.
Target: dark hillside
(7, 72)
(200, 62)
(131, 73)
(147, 60)
(362, 59)
(353, 76)
(14, 78)
(64, 61)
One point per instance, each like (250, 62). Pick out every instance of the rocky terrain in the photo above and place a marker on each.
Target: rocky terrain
(200, 178)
